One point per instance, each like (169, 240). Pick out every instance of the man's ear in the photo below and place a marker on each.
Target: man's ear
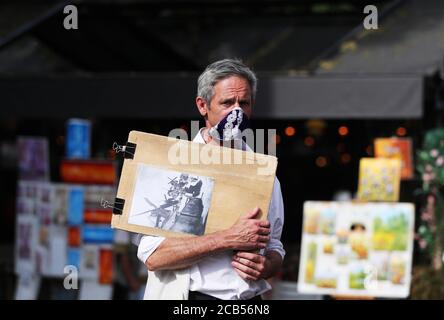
(202, 106)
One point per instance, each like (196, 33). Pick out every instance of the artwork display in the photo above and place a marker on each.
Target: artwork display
(360, 249)
(64, 224)
(26, 244)
(379, 179)
(33, 158)
(398, 148)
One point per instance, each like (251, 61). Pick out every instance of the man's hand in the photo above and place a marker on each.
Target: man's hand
(250, 266)
(248, 233)
(253, 266)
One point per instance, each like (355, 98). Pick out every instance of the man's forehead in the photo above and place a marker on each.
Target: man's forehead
(233, 85)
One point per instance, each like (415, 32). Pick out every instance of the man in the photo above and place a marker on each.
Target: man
(224, 264)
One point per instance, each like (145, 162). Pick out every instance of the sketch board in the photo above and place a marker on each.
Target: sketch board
(172, 187)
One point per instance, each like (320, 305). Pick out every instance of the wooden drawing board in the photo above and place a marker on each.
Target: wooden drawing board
(238, 187)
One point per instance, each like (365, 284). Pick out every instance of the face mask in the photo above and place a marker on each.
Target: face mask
(231, 126)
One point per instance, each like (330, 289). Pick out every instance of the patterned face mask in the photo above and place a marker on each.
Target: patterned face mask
(231, 126)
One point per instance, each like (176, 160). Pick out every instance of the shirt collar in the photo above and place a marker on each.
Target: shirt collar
(199, 137)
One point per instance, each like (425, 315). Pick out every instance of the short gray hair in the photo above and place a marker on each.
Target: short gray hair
(220, 70)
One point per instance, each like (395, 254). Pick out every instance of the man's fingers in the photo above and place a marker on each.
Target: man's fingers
(264, 231)
(264, 239)
(245, 269)
(250, 256)
(245, 276)
(264, 223)
(245, 262)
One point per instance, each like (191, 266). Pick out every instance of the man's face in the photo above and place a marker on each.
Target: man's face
(229, 93)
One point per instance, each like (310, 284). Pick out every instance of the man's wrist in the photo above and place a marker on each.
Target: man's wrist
(273, 261)
(220, 241)
(268, 266)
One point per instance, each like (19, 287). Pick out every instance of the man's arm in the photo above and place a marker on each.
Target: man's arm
(246, 234)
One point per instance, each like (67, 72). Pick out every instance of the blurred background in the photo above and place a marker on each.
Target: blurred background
(327, 85)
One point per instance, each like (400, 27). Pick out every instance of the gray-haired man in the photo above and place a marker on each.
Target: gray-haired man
(224, 264)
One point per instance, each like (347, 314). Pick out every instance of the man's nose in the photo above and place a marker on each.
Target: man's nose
(235, 105)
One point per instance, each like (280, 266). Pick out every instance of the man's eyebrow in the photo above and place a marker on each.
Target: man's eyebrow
(226, 100)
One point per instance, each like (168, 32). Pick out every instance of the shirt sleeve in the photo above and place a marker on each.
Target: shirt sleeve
(146, 246)
(276, 218)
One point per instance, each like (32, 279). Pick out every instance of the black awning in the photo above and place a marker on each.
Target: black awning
(173, 95)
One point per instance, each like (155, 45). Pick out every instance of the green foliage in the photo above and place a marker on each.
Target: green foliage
(430, 159)
(430, 164)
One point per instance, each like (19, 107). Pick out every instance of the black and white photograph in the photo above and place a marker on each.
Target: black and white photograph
(171, 200)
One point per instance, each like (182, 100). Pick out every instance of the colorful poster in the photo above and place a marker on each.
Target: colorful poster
(89, 263)
(96, 263)
(60, 204)
(398, 148)
(97, 234)
(74, 255)
(379, 179)
(76, 197)
(33, 158)
(105, 265)
(26, 244)
(78, 139)
(88, 171)
(43, 209)
(357, 249)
